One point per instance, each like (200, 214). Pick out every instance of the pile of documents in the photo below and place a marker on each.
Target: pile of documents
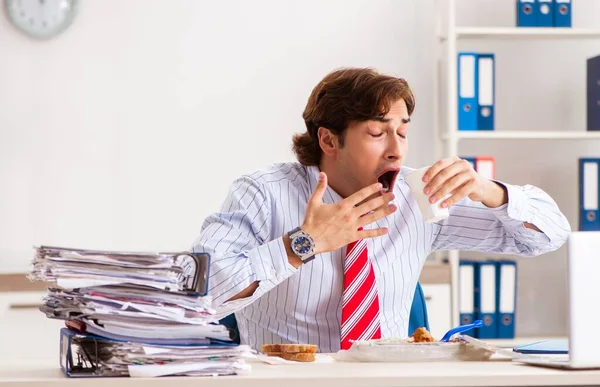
(136, 314)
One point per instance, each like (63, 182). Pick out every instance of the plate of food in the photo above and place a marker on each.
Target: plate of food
(421, 346)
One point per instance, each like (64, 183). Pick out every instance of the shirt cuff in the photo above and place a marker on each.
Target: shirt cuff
(515, 213)
(270, 266)
(270, 262)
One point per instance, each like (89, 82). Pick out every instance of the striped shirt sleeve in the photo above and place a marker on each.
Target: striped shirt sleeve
(242, 252)
(473, 226)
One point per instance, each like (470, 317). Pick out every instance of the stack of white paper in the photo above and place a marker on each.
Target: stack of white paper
(137, 314)
(141, 360)
(147, 314)
(77, 268)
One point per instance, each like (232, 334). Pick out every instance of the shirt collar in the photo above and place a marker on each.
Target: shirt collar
(330, 195)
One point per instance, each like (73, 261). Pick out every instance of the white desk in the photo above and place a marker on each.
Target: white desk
(29, 357)
(491, 373)
(511, 343)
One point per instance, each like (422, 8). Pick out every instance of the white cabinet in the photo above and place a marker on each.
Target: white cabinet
(438, 299)
(26, 334)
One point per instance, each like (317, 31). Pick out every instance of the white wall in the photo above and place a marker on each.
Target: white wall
(126, 130)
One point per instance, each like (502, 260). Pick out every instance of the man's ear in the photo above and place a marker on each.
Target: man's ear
(328, 141)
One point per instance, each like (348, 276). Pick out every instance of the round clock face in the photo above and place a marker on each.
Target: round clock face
(41, 19)
(302, 245)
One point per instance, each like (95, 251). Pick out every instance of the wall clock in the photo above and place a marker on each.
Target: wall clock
(41, 19)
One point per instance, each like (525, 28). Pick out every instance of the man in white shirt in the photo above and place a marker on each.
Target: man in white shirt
(329, 249)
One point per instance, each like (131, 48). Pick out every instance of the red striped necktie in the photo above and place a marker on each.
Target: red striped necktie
(360, 302)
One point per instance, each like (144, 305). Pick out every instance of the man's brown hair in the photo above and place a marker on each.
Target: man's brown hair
(345, 95)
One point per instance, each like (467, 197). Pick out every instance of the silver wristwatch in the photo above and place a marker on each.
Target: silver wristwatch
(302, 244)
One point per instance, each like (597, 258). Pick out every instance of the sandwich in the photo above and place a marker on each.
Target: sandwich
(293, 352)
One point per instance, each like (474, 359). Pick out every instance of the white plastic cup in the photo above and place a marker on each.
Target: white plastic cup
(431, 212)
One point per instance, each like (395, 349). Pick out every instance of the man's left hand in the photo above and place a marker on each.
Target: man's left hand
(455, 176)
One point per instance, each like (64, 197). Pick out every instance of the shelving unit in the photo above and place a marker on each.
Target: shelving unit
(521, 33)
(448, 137)
(526, 135)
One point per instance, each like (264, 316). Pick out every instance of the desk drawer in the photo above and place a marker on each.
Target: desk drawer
(438, 299)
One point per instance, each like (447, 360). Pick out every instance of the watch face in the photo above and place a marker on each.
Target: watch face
(302, 245)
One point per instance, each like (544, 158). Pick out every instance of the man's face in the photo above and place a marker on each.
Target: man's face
(374, 150)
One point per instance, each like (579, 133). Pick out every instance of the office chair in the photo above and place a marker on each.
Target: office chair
(418, 316)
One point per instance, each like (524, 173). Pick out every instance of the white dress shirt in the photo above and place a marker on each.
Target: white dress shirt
(245, 241)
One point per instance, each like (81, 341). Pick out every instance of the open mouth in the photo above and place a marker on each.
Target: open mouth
(387, 179)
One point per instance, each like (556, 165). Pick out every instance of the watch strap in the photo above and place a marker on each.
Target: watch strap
(290, 233)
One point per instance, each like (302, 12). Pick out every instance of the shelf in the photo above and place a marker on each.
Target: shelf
(524, 32)
(507, 135)
(449, 140)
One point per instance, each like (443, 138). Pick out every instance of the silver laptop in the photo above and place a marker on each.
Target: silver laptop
(583, 269)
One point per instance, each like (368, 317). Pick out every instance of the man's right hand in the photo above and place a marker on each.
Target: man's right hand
(333, 226)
